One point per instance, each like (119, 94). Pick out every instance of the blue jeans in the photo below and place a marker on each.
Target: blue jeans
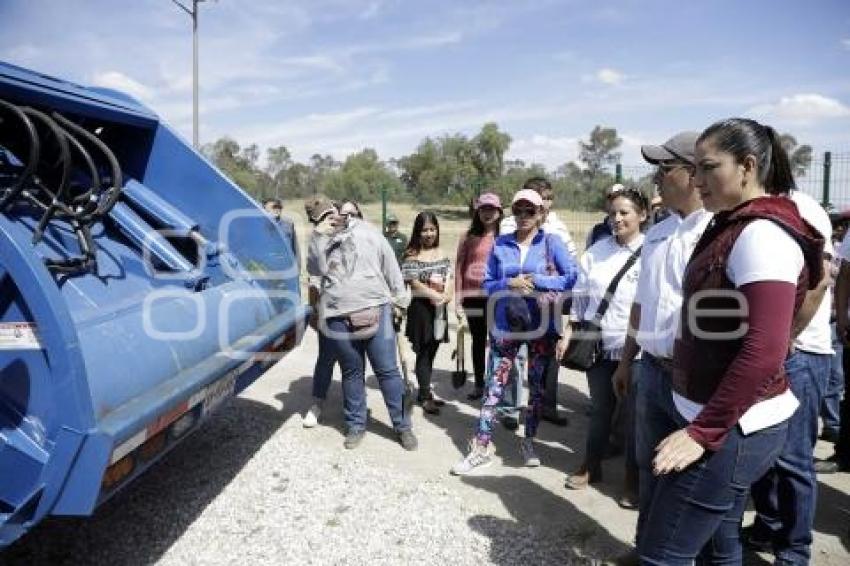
(785, 497)
(324, 369)
(656, 418)
(830, 409)
(381, 349)
(697, 512)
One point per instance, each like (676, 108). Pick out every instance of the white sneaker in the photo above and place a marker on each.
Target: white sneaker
(313, 415)
(529, 456)
(478, 458)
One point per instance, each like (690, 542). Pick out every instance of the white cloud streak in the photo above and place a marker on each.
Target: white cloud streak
(802, 109)
(119, 81)
(610, 76)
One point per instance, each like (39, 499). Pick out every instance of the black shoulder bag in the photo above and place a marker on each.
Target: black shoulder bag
(585, 345)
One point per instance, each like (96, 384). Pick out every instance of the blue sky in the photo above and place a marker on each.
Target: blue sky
(335, 76)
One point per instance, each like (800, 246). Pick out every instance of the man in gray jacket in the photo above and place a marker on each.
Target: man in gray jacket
(361, 287)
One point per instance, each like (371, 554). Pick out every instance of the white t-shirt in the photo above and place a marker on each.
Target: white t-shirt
(816, 338)
(599, 265)
(523, 252)
(666, 250)
(753, 258)
(553, 225)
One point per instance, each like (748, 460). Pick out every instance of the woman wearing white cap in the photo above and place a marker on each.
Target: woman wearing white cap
(525, 269)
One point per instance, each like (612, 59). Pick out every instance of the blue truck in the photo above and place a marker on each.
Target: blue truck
(139, 288)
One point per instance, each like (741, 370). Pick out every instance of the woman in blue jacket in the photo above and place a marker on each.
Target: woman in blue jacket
(526, 273)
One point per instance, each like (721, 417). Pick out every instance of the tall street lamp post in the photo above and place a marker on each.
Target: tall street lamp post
(193, 13)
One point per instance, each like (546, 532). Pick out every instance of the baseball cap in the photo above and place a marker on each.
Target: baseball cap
(392, 218)
(529, 196)
(317, 206)
(680, 147)
(488, 199)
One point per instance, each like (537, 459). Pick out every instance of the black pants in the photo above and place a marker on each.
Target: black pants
(424, 368)
(475, 309)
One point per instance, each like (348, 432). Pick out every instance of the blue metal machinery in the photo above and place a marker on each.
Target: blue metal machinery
(139, 288)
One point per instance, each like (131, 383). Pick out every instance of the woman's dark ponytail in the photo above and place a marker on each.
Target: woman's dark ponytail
(778, 179)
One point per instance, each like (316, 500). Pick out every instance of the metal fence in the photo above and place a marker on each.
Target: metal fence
(827, 179)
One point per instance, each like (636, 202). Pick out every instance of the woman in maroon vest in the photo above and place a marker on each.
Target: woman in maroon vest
(743, 286)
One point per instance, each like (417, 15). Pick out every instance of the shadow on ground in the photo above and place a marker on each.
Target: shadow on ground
(833, 513)
(561, 448)
(557, 527)
(143, 521)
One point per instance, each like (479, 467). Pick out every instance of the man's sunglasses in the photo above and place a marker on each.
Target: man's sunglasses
(667, 167)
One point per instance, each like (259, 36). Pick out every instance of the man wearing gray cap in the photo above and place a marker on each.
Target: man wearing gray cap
(655, 313)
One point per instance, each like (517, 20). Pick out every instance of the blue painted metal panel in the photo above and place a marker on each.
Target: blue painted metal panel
(142, 342)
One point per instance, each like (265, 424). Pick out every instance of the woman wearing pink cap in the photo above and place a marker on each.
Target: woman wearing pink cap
(524, 270)
(470, 264)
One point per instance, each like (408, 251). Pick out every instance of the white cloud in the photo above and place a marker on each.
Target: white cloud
(545, 150)
(802, 109)
(610, 76)
(846, 43)
(429, 110)
(425, 41)
(437, 40)
(119, 81)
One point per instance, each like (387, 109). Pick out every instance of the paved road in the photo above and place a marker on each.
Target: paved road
(254, 487)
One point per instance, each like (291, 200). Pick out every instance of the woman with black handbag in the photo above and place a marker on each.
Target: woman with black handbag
(602, 300)
(527, 272)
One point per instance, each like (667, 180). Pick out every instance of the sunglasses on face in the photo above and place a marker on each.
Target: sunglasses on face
(524, 211)
(670, 166)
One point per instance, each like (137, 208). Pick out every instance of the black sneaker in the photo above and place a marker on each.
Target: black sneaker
(511, 422)
(750, 539)
(477, 393)
(829, 435)
(408, 440)
(354, 438)
(552, 416)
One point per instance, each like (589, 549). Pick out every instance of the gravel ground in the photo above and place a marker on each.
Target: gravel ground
(254, 487)
(214, 500)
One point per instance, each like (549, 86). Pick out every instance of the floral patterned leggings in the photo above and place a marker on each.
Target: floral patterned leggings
(541, 353)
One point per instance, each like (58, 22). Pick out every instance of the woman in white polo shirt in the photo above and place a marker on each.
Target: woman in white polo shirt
(600, 264)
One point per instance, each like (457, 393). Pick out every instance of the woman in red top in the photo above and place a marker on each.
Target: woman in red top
(743, 286)
(470, 299)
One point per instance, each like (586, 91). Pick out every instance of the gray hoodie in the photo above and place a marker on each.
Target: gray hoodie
(355, 268)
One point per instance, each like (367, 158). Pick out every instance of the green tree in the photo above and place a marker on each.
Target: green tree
(237, 163)
(491, 145)
(454, 168)
(362, 177)
(597, 155)
(799, 155)
(600, 150)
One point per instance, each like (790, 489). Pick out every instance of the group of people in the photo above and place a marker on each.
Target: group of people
(711, 335)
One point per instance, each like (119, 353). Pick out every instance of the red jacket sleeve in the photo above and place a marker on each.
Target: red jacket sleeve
(764, 349)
